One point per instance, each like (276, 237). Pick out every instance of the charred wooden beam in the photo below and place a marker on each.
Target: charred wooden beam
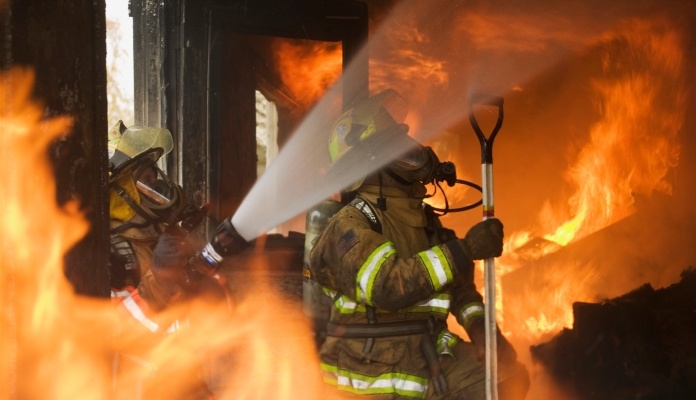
(638, 345)
(68, 56)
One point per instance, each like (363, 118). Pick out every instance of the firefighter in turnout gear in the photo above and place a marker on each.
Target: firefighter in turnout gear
(145, 206)
(394, 274)
(150, 246)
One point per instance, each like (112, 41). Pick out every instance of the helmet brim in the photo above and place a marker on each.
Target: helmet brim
(120, 163)
(371, 154)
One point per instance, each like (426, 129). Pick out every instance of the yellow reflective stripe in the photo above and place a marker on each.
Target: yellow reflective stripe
(469, 312)
(345, 305)
(399, 383)
(437, 266)
(329, 373)
(369, 130)
(369, 270)
(333, 149)
(439, 304)
(445, 341)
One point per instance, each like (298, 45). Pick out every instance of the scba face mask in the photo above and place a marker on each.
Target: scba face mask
(422, 165)
(161, 198)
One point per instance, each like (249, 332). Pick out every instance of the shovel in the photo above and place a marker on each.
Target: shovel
(488, 212)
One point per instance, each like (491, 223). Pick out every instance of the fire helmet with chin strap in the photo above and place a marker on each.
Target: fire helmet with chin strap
(127, 146)
(374, 128)
(138, 185)
(362, 131)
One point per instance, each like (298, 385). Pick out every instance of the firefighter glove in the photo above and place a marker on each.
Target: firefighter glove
(169, 260)
(484, 240)
(171, 251)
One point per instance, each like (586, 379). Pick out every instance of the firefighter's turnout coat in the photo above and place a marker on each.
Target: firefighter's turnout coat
(393, 275)
(135, 246)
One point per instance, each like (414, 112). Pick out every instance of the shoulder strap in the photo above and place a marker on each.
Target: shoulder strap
(369, 213)
(122, 247)
(124, 267)
(430, 219)
(367, 210)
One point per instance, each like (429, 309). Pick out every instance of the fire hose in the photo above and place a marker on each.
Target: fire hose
(226, 242)
(488, 212)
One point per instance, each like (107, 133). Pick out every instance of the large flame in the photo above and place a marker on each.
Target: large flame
(308, 68)
(37, 302)
(59, 345)
(629, 151)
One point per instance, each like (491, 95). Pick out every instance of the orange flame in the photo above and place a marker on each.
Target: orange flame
(39, 330)
(59, 345)
(630, 150)
(308, 68)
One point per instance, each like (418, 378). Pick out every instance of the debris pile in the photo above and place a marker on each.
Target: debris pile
(641, 345)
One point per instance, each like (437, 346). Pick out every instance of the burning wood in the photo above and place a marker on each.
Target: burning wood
(639, 345)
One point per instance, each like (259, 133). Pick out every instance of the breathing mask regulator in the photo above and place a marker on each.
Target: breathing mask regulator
(421, 164)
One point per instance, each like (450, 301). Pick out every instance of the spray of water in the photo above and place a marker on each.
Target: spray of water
(298, 179)
(436, 58)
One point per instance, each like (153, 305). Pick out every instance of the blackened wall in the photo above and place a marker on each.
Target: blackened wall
(64, 42)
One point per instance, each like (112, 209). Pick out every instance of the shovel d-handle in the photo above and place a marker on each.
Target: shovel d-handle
(491, 379)
(486, 142)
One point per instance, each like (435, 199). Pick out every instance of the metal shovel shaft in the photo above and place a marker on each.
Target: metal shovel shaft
(489, 264)
(489, 292)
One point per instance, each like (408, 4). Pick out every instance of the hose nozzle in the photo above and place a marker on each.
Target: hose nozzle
(226, 242)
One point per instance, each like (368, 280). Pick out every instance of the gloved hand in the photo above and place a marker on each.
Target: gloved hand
(477, 334)
(484, 240)
(171, 251)
(169, 258)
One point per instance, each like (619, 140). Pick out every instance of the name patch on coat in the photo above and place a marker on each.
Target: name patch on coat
(346, 242)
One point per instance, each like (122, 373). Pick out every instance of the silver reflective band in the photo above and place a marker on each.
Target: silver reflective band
(471, 311)
(139, 315)
(379, 384)
(441, 302)
(370, 269)
(211, 255)
(437, 267)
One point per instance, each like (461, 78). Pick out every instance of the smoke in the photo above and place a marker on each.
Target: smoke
(593, 101)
